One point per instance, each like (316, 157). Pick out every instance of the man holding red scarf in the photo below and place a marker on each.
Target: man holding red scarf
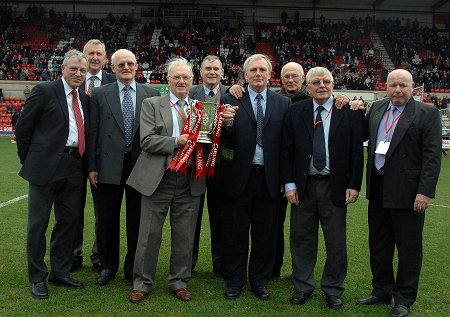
(162, 121)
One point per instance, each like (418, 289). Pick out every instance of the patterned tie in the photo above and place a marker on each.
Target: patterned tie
(211, 94)
(91, 85)
(259, 120)
(128, 115)
(319, 156)
(79, 121)
(181, 116)
(381, 136)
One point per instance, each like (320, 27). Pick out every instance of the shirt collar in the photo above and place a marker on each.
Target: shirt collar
(98, 75)
(207, 90)
(253, 94)
(67, 88)
(327, 105)
(399, 108)
(121, 85)
(174, 99)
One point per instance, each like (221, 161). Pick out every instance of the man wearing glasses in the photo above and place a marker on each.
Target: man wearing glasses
(113, 149)
(321, 167)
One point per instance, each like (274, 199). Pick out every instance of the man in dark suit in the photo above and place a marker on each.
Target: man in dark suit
(404, 156)
(249, 178)
(113, 149)
(50, 144)
(162, 120)
(322, 162)
(210, 91)
(95, 53)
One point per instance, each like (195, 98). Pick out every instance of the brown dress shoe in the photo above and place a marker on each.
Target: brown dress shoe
(137, 296)
(183, 294)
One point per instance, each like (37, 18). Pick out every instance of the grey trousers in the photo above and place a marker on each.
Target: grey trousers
(172, 193)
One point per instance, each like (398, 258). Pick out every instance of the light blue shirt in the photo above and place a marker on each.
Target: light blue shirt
(173, 100)
(132, 92)
(326, 119)
(97, 80)
(258, 157)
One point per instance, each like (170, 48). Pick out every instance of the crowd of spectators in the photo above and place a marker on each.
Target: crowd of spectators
(343, 47)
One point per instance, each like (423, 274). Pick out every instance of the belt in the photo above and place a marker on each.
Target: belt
(319, 176)
(71, 151)
(258, 168)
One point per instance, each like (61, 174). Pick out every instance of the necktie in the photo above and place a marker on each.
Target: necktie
(259, 120)
(319, 159)
(79, 121)
(91, 85)
(211, 93)
(384, 125)
(181, 116)
(128, 115)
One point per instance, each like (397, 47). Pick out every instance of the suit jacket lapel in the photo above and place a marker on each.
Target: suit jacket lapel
(61, 94)
(113, 99)
(307, 116)
(335, 117)
(269, 107)
(375, 121)
(247, 105)
(199, 93)
(403, 124)
(166, 114)
(139, 100)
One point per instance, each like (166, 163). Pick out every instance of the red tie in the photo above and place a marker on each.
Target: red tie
(79, 120)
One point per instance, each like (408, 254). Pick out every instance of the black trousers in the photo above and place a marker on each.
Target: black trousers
(64, 191)
(390, 228)
(254, 211)
(109, 205)
(279, 248)
(215, 215)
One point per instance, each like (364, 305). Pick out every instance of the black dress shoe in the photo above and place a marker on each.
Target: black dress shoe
(300, 298)
(76, 265)
(97, 267)
(232, 292)
(334, 302)
(261, 292)
(39, 290)
(106, 276)
(66, 281)
(373, 300)
(399, 311)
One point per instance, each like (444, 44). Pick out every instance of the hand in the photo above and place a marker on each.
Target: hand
(292, 196)
(182, 139)
(421, 203)
(351, 196)
(340, 101)
(92, 176)
(357, 105)
(237, 91)
(229, 113)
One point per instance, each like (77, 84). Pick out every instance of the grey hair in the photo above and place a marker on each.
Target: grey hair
(122, 50)
(73, 53)
(177, 61)
(255, 57)
(94, 42)
(212, 58)
(318, 71)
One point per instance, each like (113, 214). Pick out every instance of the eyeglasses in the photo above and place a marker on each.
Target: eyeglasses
(317, 83)
(179, 77)
(122, 65)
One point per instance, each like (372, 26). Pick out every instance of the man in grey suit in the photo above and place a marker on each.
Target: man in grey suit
(210, 91)
(161, 122)
(95, 53)
(404, 157)
(51, 146)
(113, 149)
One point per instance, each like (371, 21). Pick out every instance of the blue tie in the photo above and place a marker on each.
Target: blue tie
(128, 115)
(259, 120)
(319, 155)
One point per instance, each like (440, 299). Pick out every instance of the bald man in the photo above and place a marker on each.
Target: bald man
(404, 155)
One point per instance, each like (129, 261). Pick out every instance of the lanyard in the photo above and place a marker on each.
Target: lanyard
(388, 129)
(178, 111)
(329, 112)
(216, 96)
